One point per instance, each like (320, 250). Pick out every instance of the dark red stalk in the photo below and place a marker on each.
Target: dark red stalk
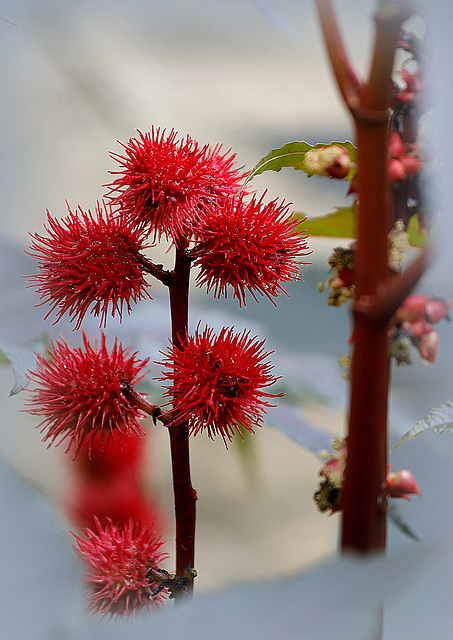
(364, 500)
(184, 494)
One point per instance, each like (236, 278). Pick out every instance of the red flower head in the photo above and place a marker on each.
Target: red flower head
(249, 246)
(83, 393)
(118, 560)
(89, 261)
(218, 382)
(165, 183)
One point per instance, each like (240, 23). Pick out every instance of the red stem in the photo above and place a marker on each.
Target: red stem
(364, 499)
(184, 494)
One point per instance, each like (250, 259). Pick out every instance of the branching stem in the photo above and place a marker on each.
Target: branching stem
(378, 293)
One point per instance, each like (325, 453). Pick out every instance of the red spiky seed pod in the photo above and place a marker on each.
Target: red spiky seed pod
(218, 381)
(164, 183)
(248, 246)
(84, 393)
(118, 560)
(89, 263)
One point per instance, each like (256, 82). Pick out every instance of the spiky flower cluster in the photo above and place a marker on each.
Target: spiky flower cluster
(218, 381)
(89, 262)
(164, 184)
(248, 246)
(119, 561)
(84, 392)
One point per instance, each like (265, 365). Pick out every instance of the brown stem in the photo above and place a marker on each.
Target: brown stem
(142, 403)
(155, 270)
(184, 494)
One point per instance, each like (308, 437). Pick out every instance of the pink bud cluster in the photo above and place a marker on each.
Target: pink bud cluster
(413, 326)
(329, 496)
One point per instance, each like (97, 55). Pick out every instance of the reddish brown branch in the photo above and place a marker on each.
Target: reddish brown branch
(345, 75)
(184, 494)
(383, 306)
(155, 270)
(364, 512)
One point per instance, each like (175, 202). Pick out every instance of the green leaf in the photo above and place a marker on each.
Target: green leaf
(341, 223)
(438, 420)
(417, 237)
(293, 154)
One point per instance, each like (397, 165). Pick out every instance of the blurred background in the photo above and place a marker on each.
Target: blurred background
(76, 77)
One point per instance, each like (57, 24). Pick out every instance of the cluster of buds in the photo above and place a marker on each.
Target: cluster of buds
(329, 496)
(412, 326)
(404, 159)
(341, 281)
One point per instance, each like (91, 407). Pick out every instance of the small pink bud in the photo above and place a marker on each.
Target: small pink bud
(411, 165)
(396, 170)
(427, 345)
(437, 309)
(401, 484)
(418, 328)
(340, 167)
(411, 79)
(396, 147)
(412, 309)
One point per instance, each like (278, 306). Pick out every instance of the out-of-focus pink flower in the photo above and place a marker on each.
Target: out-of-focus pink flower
(89, 262)
(85, 393)
(218, 382)
(118, 560)
(164, 183)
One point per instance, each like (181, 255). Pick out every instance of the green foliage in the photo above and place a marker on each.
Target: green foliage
(293, 155)
(341, 223)
(439, 421)
(417, 237)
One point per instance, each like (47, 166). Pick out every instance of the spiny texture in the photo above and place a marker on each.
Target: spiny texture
(83, 393)
(89, 262)
(118, 559)
(164, 183)
(217, 382)
(248, 246)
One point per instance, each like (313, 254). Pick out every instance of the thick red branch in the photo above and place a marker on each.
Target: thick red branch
(364, 499)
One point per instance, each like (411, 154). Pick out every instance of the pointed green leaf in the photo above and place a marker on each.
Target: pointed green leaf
(438, 420)
(341, 223)
(293, 154)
